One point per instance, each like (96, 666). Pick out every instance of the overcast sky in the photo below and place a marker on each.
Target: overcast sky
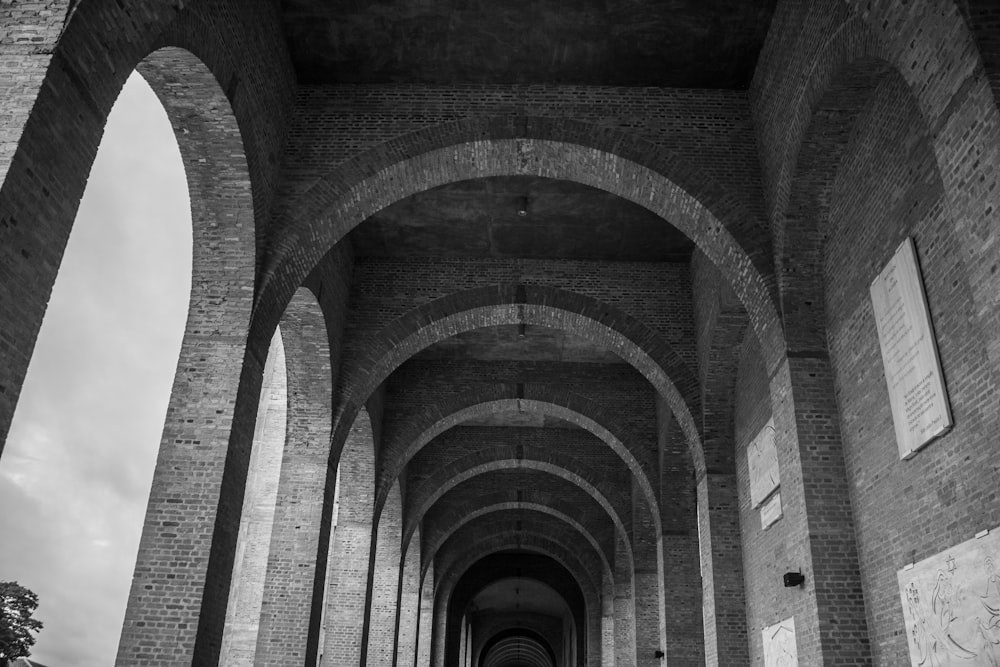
(76, 470)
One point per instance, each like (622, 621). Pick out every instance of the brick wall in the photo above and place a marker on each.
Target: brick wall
(657, 294)
(889, 188)
(707, 128)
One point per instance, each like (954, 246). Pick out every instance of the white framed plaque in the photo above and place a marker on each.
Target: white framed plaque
(762, 464)
(920, 409)
(770, 511)
(951, 605)
(779, 644)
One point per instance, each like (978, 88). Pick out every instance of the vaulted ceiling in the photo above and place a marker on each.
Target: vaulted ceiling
(677, 43)
(497, 226)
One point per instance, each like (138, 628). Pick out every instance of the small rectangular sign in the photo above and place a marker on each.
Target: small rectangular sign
(770, 511)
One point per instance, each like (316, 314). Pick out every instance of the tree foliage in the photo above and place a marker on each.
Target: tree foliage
(17, 604)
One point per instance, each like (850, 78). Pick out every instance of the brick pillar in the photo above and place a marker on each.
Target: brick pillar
(624, 608)
(425, 620)
(384, 582)
(723, 602)
(594, 645)
(647, 620)
(647, 586)
(439, 625)
(682, 639)
(169, 586)
(239, 638)
(409, 605)
(349, 556)
(180, 591)
(288, 612)
(607, 620)
(815, 497)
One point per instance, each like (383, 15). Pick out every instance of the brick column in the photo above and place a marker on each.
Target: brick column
(607, 620)
(349, 557)
(289, 614)
(723, 602)
(425, 625)
(595, 637)
(384, 582)
(624, 608)
(815, 497)
(239, 637)
(681, 604)
(409, 605)
(180, 591)
(647, 587)
(170, 583)
(439, 625)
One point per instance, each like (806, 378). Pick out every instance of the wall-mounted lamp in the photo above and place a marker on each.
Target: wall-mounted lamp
(793, 579)
(522, 209)
(659, 654)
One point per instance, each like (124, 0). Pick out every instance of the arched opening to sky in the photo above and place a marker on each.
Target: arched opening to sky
(78, 463)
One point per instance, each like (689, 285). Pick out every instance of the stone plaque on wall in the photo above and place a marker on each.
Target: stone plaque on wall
(779, 644)
(920, 410)
(770, 511)
(951, 605)
(762, 463)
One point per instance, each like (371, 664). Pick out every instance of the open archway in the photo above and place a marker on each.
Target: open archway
(78, 461)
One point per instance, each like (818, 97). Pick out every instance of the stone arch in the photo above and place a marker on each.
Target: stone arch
(519, 528)
(451, 571)
(564, 150)
(599, 322)
(210, 363)
(70, 94)
(433, 541)
(527, 456)
(830, 192)
(800, 234)
(501, 649)
(538, 399)
(843, 70)
(488, 508)
(61, 107)
(949, 104)
(495, 567)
